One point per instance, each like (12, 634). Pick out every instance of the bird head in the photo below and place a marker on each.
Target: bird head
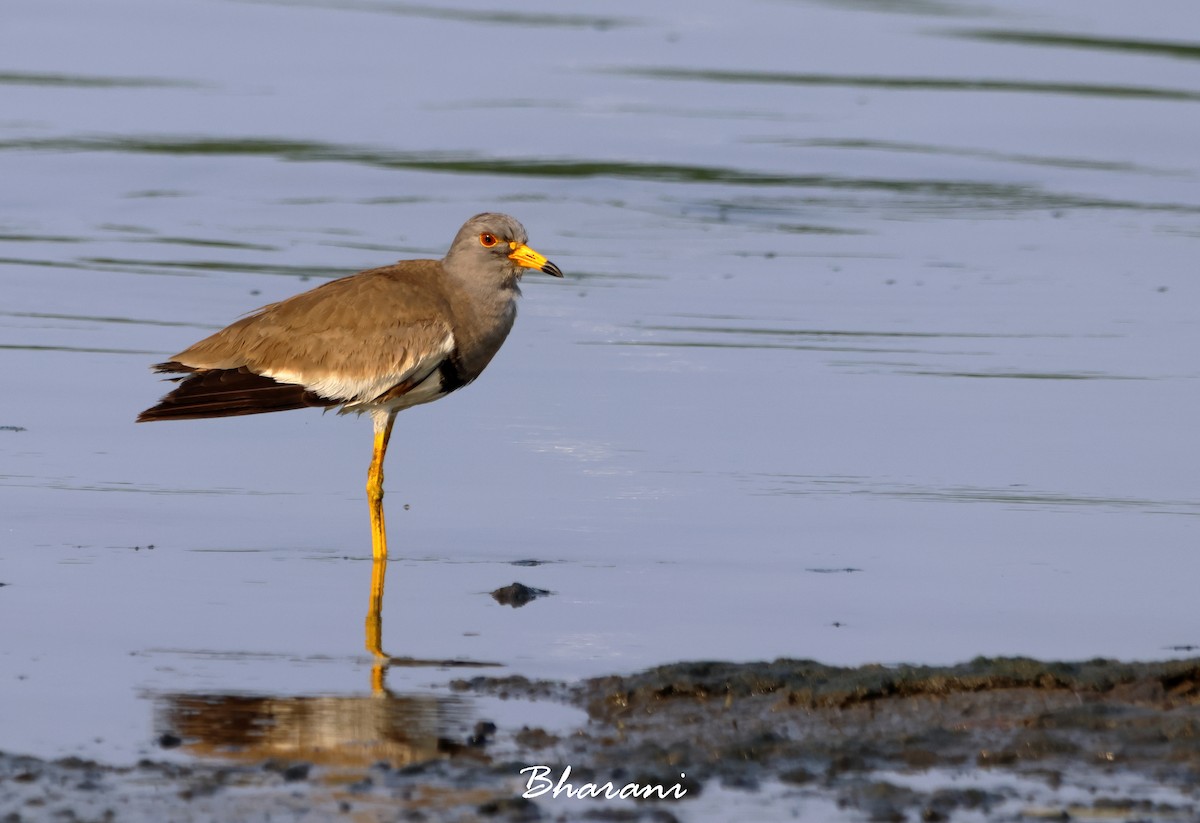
(495, 243)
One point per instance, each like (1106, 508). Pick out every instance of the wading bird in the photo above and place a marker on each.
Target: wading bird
(377, 342)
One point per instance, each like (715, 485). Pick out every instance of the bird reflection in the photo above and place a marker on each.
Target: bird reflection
(323, 730)
(342, 730)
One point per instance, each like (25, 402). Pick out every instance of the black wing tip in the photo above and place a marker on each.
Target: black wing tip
(173, 367)
(204, 393)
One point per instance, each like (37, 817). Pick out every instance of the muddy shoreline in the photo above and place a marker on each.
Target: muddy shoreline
(989, 739)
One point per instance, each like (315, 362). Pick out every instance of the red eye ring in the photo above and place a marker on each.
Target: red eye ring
(488, 240)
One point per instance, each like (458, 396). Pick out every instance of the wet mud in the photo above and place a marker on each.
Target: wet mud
(1004, 739)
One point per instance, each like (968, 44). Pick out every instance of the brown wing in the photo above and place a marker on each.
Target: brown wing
(346, 341)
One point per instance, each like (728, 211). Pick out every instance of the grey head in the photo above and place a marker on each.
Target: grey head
(490, 247)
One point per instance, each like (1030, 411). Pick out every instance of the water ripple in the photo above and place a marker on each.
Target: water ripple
(89, 81)
(959, 193)
(953, 84)
(1014, 496)
(487, 17)
(1162, 48)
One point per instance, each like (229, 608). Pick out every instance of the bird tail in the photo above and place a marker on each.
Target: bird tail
(226, 393)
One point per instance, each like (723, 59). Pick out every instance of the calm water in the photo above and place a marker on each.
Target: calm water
(878, 343)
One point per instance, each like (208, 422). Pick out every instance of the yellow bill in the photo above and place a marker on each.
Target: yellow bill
(527, 258)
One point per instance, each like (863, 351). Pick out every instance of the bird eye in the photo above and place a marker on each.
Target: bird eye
(487, 240)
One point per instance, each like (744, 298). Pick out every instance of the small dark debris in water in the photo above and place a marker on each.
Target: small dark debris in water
(846, 570)
(414, 769)
(1004, 757)
(742, 782)
(797, 776)
(13, 429)
(921, 759)
(847, 763)
(517, 595)
(451, 748)
(537, 738)
(880, 800)
(290, 771)
(296, 772)
(1187, 647)
(945, 801)
(147, 547)
(484, 731)
(837, 624)
(255, 292)
(1162, 289)
(511, 808)
(167, 740)
(528, 562)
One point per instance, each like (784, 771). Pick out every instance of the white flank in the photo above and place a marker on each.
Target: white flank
(362, 390)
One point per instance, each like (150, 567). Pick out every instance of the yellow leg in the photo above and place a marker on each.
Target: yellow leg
(383, 432)
(375, 611)
(379, 678)
(374, 623)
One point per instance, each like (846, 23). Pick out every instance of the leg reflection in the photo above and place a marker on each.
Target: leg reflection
(374, 625)
(375, 612)
(374, 633)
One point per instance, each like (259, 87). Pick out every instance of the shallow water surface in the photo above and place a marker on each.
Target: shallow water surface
(877, 343)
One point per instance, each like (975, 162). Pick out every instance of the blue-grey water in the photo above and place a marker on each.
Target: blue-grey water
(878, 342)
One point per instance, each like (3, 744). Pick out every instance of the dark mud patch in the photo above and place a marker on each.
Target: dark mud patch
(989, 739)
(1100, 726)
(809, 684)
